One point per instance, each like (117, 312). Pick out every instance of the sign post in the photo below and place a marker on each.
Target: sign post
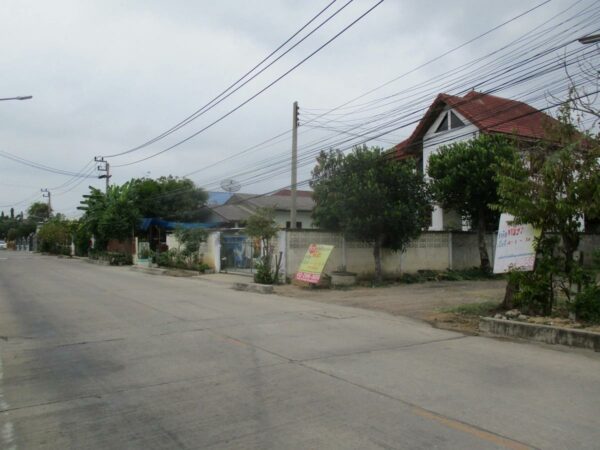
(515, 246)
(312, 265)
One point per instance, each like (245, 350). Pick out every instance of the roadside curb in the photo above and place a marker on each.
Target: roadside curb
(253, 287)
(98, 262)
(168, 272)
(540, 333)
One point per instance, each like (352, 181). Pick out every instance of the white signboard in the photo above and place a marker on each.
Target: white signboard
(514, 247)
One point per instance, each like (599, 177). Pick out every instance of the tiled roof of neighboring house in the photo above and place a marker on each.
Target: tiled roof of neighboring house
(279, 202)
(288, 192)
(489, 113)
(284, 203)
(240, 206)
(230, 213)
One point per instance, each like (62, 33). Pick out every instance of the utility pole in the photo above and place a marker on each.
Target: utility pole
(294, 166)
(47, 194)
(105, 167)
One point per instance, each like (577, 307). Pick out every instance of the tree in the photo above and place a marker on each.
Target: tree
(38, 211)
(55, 236)
(191, 239)
(376, 200)
(463, 178)
(553, 187)
(113, 215)
(261, 225)
(170, 198)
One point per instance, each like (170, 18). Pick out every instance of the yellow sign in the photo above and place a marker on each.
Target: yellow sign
(314, 261)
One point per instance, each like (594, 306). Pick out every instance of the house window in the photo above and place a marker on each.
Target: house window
(298, 225)
(449, 122)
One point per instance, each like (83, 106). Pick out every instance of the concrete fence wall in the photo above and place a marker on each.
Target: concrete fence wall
(433, 250)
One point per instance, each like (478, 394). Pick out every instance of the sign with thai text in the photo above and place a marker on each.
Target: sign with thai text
(312, 265)
(514, 246)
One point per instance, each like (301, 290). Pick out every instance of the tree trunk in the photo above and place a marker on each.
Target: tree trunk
(509, 295)
(377, 256)
(483, 254)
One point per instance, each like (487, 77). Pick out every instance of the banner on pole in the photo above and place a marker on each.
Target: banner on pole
(312, 265)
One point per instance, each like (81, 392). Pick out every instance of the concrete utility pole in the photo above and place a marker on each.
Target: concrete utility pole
(47, 194)
(294, 166)
(104, 168)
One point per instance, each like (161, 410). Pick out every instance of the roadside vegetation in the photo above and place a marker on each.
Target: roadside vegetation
(552, 184)
(366, 196)
(262, 227)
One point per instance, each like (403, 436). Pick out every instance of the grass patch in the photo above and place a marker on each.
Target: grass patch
(474, 309)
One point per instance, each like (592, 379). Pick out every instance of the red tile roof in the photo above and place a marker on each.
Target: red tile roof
(489, 113)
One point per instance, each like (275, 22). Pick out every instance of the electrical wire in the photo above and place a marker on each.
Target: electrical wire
(228, 91)
(294, 67)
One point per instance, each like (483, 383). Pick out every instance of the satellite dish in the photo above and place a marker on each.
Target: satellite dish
(230, 185)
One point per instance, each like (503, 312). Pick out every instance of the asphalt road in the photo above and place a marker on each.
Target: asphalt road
(101, 357)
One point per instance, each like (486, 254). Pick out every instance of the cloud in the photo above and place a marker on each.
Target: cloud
(108, 75)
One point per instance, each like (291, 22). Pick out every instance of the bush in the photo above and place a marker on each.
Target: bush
(587, 304)
(119, 259)
(113, 258)
(263, 273)
(163, 259)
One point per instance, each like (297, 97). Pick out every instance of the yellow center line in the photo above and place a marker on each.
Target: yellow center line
(473, 431)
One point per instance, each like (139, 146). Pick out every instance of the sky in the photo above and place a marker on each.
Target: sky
(107, 76)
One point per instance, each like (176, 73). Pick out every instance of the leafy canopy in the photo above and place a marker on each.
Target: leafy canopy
(370, 197)
(463, 176)
(38, 211)
(170, 198)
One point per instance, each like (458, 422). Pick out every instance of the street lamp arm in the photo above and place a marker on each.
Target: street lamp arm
(591, 39)
(20, 97)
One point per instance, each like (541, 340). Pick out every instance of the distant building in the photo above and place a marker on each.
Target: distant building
(236, 210)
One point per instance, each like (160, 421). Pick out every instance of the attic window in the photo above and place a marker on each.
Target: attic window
(449, 122)
(455, 122)
(443, 124)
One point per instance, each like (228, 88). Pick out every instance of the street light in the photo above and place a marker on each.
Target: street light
(591, 39)
(20, 97)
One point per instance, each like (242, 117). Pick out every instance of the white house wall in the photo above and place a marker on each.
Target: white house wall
(281, 217)
(432, 142)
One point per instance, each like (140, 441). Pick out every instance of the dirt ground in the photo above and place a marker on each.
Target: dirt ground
(424, 301)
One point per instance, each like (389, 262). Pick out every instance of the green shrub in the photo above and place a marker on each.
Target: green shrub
(263, 274)
(587, 304)
(119, 259)
(164, 259)
(474, 309)
(410, 278)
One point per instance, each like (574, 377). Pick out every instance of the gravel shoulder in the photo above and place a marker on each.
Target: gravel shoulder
(424, 301)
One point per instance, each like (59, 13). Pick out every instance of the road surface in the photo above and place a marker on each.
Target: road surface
(107, 358)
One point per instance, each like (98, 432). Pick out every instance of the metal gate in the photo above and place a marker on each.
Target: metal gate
(237, 253)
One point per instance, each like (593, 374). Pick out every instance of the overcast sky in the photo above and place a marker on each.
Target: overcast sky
(109, 75)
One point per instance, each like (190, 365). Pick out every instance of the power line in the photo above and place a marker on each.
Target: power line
(35, 165)
(259, 92)
(387, 83)
(228, 91)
